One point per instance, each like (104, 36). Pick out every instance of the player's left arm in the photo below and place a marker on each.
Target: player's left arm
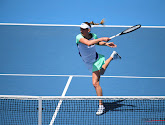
(111, 44)
(102, 43)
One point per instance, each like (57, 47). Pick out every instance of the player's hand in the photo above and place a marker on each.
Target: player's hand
(111, 44)
(106, 39)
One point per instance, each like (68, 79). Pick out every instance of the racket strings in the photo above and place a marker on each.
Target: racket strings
(132, 29)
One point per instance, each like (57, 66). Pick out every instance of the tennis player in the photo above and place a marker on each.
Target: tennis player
(95, 62)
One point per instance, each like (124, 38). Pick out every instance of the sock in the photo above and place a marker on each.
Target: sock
(101, 106)
(112, 55)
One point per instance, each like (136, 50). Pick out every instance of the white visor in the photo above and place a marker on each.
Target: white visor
(85, 26)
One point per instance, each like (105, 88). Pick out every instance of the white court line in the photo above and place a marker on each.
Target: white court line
(42, 75)
(60, 102)
(23, 24)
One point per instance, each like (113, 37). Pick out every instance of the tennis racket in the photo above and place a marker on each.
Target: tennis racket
(133, 28)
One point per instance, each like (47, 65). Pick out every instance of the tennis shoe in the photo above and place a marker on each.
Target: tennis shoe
(115, 55)
(100, 110)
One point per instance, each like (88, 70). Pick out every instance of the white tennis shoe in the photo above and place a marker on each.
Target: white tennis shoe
(100, 110)
(115, 55)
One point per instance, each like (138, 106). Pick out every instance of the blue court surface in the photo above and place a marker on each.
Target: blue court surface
(51, 50)
(39, 60)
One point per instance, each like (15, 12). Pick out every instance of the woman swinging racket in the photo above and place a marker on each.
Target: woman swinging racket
(95, 62)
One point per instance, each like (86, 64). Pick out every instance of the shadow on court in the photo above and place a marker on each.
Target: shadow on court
(115, 105)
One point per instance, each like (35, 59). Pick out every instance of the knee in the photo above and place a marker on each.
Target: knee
(95, 84)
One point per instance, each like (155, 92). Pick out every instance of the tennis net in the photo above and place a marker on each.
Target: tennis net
(76, 110)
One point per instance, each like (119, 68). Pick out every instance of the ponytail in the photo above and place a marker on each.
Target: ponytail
(102, 22)
(92, 23)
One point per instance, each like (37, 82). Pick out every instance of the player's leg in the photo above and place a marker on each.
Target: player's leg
(114, 55)
(104, 67)
(95, 80)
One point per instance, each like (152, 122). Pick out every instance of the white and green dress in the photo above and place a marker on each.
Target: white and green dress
(89, 55)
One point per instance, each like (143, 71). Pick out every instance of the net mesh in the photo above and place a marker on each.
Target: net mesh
(82, 111)
(18, 112)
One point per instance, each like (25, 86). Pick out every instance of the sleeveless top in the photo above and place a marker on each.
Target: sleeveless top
(88, 53)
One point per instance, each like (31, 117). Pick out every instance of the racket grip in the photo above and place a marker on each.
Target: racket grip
(115, 36)
(112, 37)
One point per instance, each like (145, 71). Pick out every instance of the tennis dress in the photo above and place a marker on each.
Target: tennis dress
(91, 58)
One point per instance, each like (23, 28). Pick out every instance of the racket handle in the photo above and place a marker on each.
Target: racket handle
(112, 37)
(115, 36)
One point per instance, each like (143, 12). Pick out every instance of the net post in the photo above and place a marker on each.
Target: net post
(40, 111)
